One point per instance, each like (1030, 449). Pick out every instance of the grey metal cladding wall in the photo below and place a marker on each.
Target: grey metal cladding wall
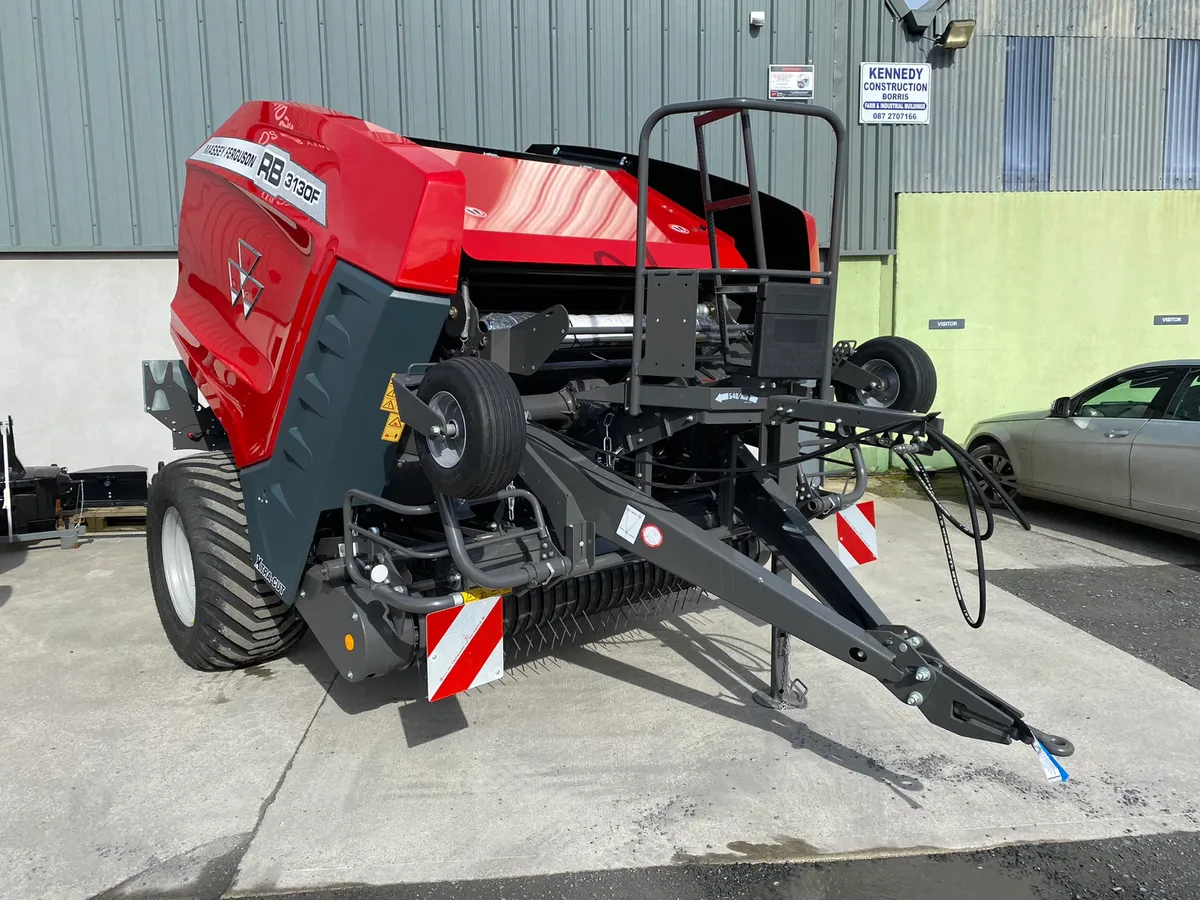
(962, 147)
(1090, 18)
(1028, 112)
(865, 32)
(1181, 153)
(1109, 102)
(102, 101)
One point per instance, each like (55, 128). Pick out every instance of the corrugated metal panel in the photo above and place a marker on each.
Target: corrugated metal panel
(1109, 101)
(1090, 18)
(103, 100)
(1181, 153)
(863, 33)
(962, 147)
(1028, 99)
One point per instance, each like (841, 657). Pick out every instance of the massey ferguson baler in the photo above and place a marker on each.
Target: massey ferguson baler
(439, 383)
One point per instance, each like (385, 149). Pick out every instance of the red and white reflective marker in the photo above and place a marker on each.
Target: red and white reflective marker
(652, 536)
(856, 534)
(464, 646)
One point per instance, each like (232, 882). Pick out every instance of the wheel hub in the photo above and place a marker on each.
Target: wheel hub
(447, 445)
(1000, 466)
(888, 381)
(177, 567)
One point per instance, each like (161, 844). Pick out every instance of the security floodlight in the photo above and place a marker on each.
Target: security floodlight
(957, 34)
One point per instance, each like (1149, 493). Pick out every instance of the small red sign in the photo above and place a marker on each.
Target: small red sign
(652, 536)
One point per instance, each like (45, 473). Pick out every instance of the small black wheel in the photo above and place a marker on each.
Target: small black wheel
(995, 459)
(483, 439)
(215, 610)
(903, 370)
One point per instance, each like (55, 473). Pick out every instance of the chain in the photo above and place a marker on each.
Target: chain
(607, 444)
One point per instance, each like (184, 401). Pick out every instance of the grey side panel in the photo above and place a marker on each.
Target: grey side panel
(330, 437)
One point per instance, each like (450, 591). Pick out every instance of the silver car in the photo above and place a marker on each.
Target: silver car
(1127, 446)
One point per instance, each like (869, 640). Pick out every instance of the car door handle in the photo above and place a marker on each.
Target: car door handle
(1116, 434)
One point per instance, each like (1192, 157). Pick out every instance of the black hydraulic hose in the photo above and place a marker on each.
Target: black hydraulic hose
(843, 501)
(962, 456)
(763, 467)
(921, 475)
(970, 487)
(714, 482)
(513, 576)
(420, 606)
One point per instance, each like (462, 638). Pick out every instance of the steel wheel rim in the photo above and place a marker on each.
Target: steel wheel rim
(1001, 467)
(447, 449)
(885, 395)
(177, 567)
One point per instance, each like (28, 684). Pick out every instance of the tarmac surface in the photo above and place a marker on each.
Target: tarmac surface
(636, 765)
(1154, 867)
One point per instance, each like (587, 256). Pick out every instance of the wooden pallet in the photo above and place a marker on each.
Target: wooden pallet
(113, 518)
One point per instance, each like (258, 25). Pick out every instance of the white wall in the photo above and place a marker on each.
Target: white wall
(73, 333)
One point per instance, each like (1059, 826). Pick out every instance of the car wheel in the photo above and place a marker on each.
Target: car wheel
(995, 459)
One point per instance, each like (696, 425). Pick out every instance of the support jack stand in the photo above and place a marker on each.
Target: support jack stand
(782, 694)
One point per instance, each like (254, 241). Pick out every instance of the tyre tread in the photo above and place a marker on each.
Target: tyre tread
(239, 620)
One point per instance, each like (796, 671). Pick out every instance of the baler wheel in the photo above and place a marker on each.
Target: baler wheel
(215, 610)
(480, 450)
(907, 378)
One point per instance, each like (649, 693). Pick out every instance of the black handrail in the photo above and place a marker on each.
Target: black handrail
(727, 107)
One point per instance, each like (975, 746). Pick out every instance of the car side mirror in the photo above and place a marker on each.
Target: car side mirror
(1061, 408)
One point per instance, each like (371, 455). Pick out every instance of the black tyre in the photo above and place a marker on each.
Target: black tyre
(905, 374)
(995, 459)
(216, 612)
(480, 452)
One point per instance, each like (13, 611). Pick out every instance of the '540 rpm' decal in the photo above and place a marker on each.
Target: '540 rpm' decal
(269, 168)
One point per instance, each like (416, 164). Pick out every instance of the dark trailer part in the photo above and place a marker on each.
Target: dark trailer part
(33, 498)
(552, 386)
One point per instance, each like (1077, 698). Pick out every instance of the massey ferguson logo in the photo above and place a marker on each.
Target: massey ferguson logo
(243, 285)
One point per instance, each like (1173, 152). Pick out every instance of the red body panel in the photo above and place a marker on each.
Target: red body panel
(403, 212)
(543, 212)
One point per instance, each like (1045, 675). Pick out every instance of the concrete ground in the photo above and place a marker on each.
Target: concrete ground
(123, 773)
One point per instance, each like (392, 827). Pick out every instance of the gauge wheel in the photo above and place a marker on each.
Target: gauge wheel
(480, 444)
(905, 378)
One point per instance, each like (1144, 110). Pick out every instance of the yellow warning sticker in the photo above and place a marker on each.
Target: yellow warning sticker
(470, 596)
(389, 398)
(393, 429)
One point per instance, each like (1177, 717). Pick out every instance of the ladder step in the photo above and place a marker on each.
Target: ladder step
(728, 203)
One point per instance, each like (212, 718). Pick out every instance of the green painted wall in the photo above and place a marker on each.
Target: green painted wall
(1058, 289)
(864, 311)
(864, 298)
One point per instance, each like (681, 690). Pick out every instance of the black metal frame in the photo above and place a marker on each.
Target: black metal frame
(711, 111)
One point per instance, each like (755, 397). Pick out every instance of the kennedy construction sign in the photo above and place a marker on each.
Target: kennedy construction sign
(894, 94)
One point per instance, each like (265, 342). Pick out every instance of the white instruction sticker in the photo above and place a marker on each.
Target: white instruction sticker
(631, 524)
(1054, 772)
(271, 169)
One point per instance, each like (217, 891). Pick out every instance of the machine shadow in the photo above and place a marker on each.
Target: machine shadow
(740, 677)
(737, 667)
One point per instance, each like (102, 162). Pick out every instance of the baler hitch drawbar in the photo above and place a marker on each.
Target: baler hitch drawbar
(587, 499)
